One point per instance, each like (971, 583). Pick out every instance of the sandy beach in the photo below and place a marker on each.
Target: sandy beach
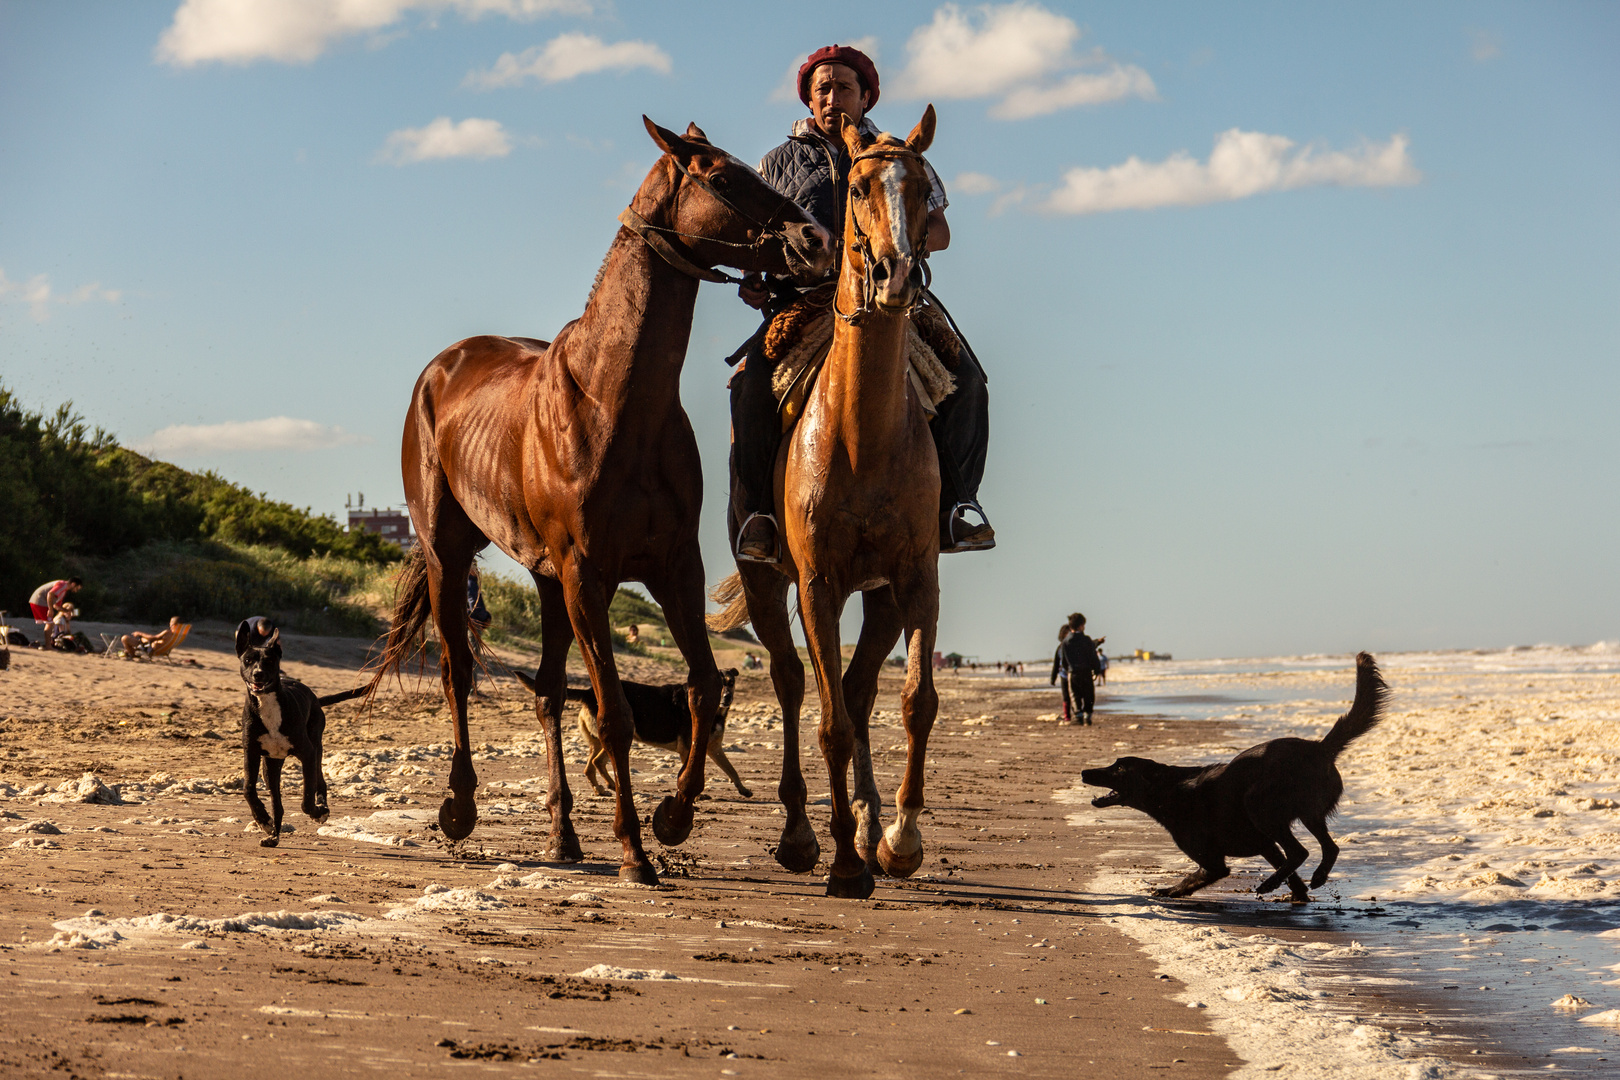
(146, 934)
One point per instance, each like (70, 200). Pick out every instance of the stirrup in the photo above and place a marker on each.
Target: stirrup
(979, 543)
(776, 531)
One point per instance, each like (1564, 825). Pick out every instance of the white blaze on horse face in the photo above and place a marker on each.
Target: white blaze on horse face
(892, 179)
(273, 741)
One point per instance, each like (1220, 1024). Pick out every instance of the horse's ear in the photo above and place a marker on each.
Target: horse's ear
(695, 132)
(850, 132)
(922, 136)
(671, 143)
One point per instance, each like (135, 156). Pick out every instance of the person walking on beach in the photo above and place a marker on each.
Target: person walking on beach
(1059, 671)
(1080, 664)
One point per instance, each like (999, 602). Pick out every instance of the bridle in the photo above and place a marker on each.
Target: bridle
(651, 234)
(863, 243)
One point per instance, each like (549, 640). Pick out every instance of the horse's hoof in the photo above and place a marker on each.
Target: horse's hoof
(267, 828)
(898, 866)
(858, 887)
(320, 815)
(798, 856)
(457, 821)
(638, 874)
(744, 792)
(672, 822)
(270, 841)
(1299, 898)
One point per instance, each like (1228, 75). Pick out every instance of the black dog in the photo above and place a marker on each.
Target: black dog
(1246, 806)
(282, 716)
(663, 718)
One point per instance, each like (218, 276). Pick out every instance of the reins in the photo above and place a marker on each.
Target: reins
(863, 243)
(650, 234)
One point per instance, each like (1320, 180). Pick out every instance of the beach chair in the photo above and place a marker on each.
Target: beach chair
(145, 651)
(114, 646)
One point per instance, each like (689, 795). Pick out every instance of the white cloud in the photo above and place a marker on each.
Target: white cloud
(472, 138)
(788, 88)
(276, 433)
(1081, 88)
(1019, 52)
(1243, 163)
(568, 56)
(38, 293)
(298, 31)
(975, 183)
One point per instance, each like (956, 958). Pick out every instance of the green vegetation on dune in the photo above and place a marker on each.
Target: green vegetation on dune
(73, 501)
(152, 540)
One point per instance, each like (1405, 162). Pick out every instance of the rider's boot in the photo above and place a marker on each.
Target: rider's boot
(758, 540)
(957, 533)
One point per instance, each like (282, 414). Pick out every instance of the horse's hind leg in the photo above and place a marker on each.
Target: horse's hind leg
(681, 597)
(766, 591)
(819, 604)
(449, 558)
(900, 851)
(880, 629)
(550, 682)
(587, 596)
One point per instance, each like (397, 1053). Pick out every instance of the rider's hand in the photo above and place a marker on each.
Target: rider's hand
(753, 291)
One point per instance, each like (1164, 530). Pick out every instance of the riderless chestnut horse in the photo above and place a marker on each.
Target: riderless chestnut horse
(857, 492)
(576, 458)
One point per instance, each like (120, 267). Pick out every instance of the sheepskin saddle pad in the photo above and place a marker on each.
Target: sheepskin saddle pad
(800, 338)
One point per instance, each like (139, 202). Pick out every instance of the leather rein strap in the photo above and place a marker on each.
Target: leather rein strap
(650, 234)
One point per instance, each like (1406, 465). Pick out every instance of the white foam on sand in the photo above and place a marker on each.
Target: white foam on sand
(608, 971)
(99, 932)
(438, 898)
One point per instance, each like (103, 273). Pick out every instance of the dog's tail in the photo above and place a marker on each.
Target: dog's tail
(571, 693)
(410, 616)
(733, 605)
(347, 695)
(1372, 693)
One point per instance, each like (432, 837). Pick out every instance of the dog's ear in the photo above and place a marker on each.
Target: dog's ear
(730, 674)
(243, 632)
(275, 640)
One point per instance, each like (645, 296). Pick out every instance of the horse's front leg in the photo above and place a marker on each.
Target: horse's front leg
(587, 596)
(551, 682)
(448, 565)
(900, 851)
(819, 604)
(766, 590)
(880, 629)
(681, 597)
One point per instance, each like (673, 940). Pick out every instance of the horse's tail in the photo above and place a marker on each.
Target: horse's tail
(733, 605)
(1365, 712)
(410, 616)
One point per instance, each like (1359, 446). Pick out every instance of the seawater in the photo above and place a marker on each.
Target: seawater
(1480, 829)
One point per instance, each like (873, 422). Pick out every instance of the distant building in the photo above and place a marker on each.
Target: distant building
(387, 523)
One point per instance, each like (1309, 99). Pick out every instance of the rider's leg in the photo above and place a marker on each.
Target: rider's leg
(755, 435)
(962, 435)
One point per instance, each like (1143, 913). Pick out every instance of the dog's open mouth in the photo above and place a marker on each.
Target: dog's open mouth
(1110, 799)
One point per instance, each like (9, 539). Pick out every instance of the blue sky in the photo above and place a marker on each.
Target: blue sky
(1302, 323)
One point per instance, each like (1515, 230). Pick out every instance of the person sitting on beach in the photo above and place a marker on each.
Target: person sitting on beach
(136, 639)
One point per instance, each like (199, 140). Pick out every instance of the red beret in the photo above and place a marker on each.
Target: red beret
(862, 64)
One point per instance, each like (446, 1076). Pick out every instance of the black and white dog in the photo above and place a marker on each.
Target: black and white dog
(281, 717)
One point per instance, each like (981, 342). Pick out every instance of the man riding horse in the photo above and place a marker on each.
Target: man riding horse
(812, 168)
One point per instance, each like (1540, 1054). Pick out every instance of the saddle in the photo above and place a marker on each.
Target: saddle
(798, 340)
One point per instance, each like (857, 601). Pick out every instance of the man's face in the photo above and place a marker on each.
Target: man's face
(835, 88)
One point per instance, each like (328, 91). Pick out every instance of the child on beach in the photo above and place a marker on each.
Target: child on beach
(1078, 655)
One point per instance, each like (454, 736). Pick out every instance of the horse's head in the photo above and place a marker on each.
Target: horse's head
(726, 214)
(886, 234)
